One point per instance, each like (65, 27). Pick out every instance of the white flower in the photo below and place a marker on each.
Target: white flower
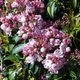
(53, 69)
(32, 42)
(63, 47)
(47, 63)
(43, 49)
(8, 31)
(20, 33)
(3, 27)
(10, 15)
(14, 4)
(48, 33)
(23, 19)
(24, 36)
(48, 56)
(68, 49)
(58, 54)
(30, 59)
(57, 42)
(38, 57)
(51, 41)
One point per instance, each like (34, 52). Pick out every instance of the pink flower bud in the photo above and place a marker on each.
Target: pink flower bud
(68, 49)
(43, 49)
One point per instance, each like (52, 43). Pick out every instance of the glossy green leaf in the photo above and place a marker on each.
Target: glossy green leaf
(5, 72)
(72, 74)
(12, 76)
(53, 9)
(11, 57)
(16, 38)
(31, 66)
(36, 69)
(55, 76)
(48, 75)
(18, 48)
(74, 3)
(49, 11)
(5, 78)
(11, 46)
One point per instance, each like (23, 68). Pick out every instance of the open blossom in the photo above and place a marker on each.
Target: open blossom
(14, 4)
(38, 57)
(58, 54)
(42, 49)
(47, 63)
(3, 27)
(68, 49)
(9, 16)
(57, 42)
(30, 59)
(63, 47)
(24, 36)
(8, 31)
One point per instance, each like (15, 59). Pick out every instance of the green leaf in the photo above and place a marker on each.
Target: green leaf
(74, 3)
(5, 78)
(12, 73)
(36, 69)
(16, 38)
(77, 21)
(31, 66)
(18, 48)
(72, 62)
(32, 78)
(55, 76)
(11, 57)
(72, 74)
(12, 76)
(48, 75)
(53, 9)
(12, 65)
(5, 72)
(11, 46)
(49, 11)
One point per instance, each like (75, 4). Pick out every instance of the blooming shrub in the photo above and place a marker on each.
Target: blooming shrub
(32, 44)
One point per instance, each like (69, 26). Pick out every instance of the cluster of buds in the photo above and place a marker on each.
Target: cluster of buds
(76, 56)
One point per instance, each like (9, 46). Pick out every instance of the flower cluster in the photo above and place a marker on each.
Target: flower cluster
(50, 47)
(76, 56)
(23, 12)
(46, 44)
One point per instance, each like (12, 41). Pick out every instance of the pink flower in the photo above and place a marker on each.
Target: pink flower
(10, 15)
(23, 19)
(57, 42)
(68, 49)
(30, 59)
(3, 27)
(43, 49)
(14, 4)
(20, 33)
(38, 57)
(58, 54)
(51, 41)
(47, 63)
(24, 36)
(1, 2)
(8, 31)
